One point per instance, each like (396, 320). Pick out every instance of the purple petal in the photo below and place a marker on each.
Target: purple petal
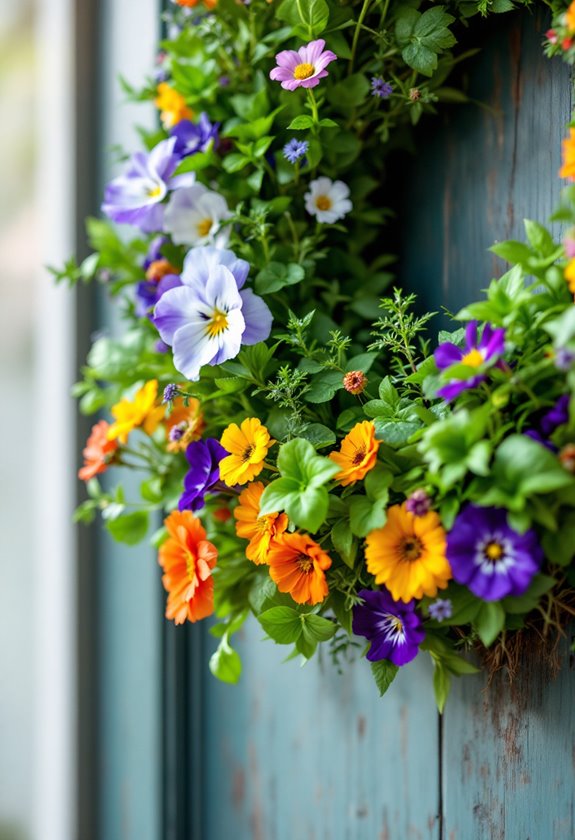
(257, 316)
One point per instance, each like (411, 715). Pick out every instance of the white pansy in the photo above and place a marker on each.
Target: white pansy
(328, 200)
(194, 216)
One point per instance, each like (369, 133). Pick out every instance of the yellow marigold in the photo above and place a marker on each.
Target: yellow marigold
(407, 555)
(185, 424)
(248, 446)
(568, 168)
(259, 530)
(357, 454)
(141, 411)
(569, 274)
(570, 17)
(298, 565)
(172, 105)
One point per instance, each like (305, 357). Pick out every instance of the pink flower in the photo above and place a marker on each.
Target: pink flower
(303, 68)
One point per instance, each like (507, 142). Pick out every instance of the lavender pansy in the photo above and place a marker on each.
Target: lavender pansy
(489, 557)
(194, 216)
(204, 458)
(474, 354)
(135, 197)
(210, 316)
(393, 628)
(195, 137)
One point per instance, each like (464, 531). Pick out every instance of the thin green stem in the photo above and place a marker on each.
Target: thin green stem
(356, 34)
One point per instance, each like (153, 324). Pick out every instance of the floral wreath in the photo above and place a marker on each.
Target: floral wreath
(316, 464)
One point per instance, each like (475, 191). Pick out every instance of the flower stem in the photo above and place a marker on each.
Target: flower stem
(356, 34)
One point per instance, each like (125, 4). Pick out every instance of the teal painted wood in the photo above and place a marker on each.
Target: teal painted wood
(308, 754)
(507, 753)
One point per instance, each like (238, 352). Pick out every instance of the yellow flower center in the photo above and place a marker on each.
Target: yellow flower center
(303, 71)
(204, 227)
(247, 453)
(397, 624)
(493, 551)
(410, 549)
(191, 565)
(473, 359)
(217, 323)
(154, 192)
(323, 202)
(305, 563)
(359, 456)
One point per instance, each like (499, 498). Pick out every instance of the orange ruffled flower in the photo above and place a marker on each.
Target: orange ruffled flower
(99, 452)
(568, 168)
(259, 530)
(172, 105)
(248, 445)
(191, 4)
(141, 411)
(407, 555)
(185, 424)
(187, 559)
(357, 454)
(297, 565)
(570, 17)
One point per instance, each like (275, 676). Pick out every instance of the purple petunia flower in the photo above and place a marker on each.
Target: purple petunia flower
(303, 68)
(475, 354)
(489, 557)
(204, 458)
(211, 315)
(381, 88)
(295, 149)
(393, 628)
(135, 196)
(441, 609)
(194, 137)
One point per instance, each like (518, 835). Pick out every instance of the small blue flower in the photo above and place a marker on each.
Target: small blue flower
(170, 393)
(441, 609)
(380, 88)
(295, 149)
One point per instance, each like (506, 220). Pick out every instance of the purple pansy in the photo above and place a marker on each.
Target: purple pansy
(393, 628)
(303, 68)
(148, 293)
(474, 354)
(135, 197)
(211, 315)
(489, 557)
(204, 458)
(194, 137)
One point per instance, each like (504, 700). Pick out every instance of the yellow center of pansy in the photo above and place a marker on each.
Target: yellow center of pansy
(493, 551)
(204, 227)
(473, 359)
(397, 624)
(217, 323)
(323, 202)
(303, 71)
(154, 192)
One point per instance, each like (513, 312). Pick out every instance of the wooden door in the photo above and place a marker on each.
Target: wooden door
(309, 754)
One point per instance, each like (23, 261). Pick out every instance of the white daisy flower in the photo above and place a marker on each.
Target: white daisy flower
(327, 200)
(194, 216)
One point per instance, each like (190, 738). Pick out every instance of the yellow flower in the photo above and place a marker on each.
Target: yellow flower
(142, 411)
(570, 17)
(407, 555)
(568, 168)
(357, 454)
(172, 105)
(248, 446)
(259, 530)
(569, 275)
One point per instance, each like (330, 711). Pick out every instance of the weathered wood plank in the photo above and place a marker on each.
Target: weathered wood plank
(310, 754)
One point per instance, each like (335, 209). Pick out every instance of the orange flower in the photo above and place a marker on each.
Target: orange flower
(259, 530)
(191, 4)
(172, 105)
(248, 446)
(187, 559)
(357, 454)
(569, 274)
(158, 269)
(570, 17)
(141, 411)
(297, 565)
(185, 424)
(568, 168)
(99, 452)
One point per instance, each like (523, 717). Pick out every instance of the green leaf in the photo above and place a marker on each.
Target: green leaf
(324, 386)
(225, 662)
(559, 546)
(318, 629)
(130, 528)
(318, 435)
(489, 622)
(343, 542)
(350, 93)
(276, 275)
(300, 123)
(441, 685)
(298, 459)
(282, 624)
(308, 17)
(540, 585)
(366, 515)
(384, 673)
